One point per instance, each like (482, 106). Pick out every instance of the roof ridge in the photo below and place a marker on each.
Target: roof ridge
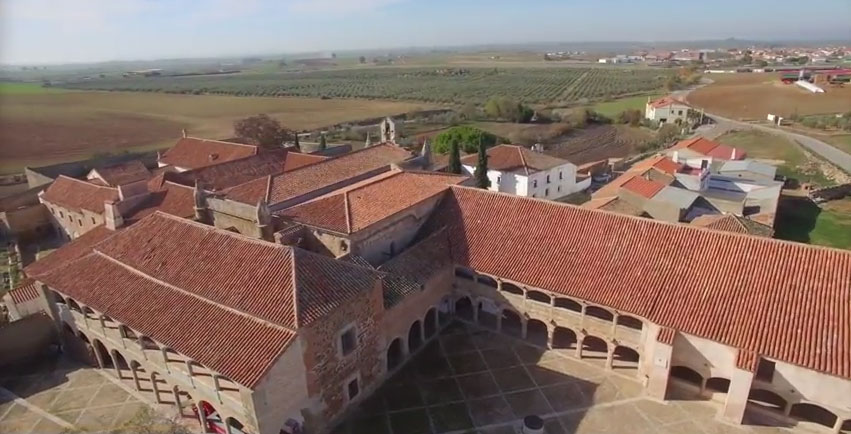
(347, 211)
(212, 229)
(523, 160)
(268, 188)
(256, 147)
(87, 183)
(189, 293)
(653, 221)
(294, 282)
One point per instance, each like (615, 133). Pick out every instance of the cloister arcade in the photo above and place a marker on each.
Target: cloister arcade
(154, 369)
(399, 349)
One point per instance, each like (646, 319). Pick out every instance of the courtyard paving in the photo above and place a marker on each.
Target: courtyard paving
(470, 380)
(63, 396)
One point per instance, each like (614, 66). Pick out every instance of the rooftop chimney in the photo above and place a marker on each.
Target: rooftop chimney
(111, 216)
(184, 132)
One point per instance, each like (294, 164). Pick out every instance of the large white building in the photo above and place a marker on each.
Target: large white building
(523, 172)
(666, 110)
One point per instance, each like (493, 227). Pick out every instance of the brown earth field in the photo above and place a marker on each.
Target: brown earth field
(39, 128)
(598, 142)
(754, 96)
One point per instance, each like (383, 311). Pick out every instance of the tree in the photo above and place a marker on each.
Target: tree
(481, 173)
(362, 59)
(466, 136)
(261, 130)
(667, 133)
(630, 116)
(323, 144)
(499, 107)
(295, 141)
(454, 157)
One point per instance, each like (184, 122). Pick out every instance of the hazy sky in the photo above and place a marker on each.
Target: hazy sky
(55, 31)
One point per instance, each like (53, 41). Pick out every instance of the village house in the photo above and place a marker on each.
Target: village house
(300, 337)
(517, 170)
(667, 110)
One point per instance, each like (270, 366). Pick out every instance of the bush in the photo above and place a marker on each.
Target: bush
(499, 107)
(468, 137)
(632, 117)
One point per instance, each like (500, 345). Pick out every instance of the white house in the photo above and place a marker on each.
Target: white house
(666, 110)
(523, 172)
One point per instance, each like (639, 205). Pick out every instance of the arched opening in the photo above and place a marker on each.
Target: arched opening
(594, 348)
(464, 308)
(464, 273)
(625, 358)
(161, 389)
(766, 399)
(846, 427)
(185, 403)
(148, 343)
(538, 296)
(566, 303)
(536, 332)
(139, 374)
(718, 385)
(430, 323)
(102, 353)
(487, 281)
(511, 323)
(512, 288)
(67, 329)
(686, 374)
(395, 354)
(564, 338)
(89, 313)
(444, 310)
(127, 333)
(599, 313)
(232, 229)
(630, 322)
(121, 365)
(235, 426)
(57, 298)
(812, 413)
(485, 317)
(171, 356)
(73, 305)
(211, 417)
(415, 337)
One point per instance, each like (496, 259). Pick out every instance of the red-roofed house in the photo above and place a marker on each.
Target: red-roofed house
(667, 110)
(193, 153)
(701, 147)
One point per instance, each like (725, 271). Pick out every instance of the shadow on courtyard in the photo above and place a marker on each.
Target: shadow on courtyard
(471, 380)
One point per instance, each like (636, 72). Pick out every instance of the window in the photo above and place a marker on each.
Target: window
(547, 192)
(680, 113)
(80, 222)
(533, 194)
(498, 179)
(348, 341)
(353, 388)
(535, 184)
(765, 371)
(560, 175)
(93, 220)
(548, 179)
(61, 215)
(559, 189)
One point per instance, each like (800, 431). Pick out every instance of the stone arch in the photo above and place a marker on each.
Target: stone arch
(487, 280)
(512, 324)
(430, 323)
(444, 310)
(127, 332)
(568, 304)
(564, 338)
(101, 353)
(415, 337)
(812, 413)
(766, 399)
(138, 374)
(67, 329)
(211, 417)
(184, 400)
(599, 313)
(120, 363)
(89, 313)
(687, 374)
(73, 305)
(538, 296)
(169, 355)
(464, 308)
(484, 316)
(57, 297)
(512, 288)
(234, 426)
(625, 358)
(395, 354)
(630, 322)
(147, 343)
(465, 273)
(718, 384)
(160, 386)
(537, 332)
(594, 348)
(846, 427)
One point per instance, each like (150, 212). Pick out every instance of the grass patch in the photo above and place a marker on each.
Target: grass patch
(611, 109)
(801, 220)
(7, 88)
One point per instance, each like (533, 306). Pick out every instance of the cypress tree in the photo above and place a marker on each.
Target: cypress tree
(454, 157)
(481, 173)
(323, 144)
(295, 142)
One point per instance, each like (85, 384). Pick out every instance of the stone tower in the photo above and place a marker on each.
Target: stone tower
(388, 130)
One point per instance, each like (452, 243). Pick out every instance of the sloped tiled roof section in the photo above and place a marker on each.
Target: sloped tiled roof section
(732, 223)
(514, 157)
(410, 270)
(73, 250)
(196, 327)
(24, 292)
(297, 160)
(784, 300)
(193, 153)
(124, 173)
(363, 204)
(643, 187)
(170, 198)
(235, 172)
(666, 101)
(79, 195)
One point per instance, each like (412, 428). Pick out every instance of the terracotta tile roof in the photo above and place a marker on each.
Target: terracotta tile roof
(409, 271)
(747, 360)
(195, 327)
(78, 195)
(235, 172)
(363, 204)
(514, 157)
(733, 223)
(328, 174)
(170, 198)
(24, 292)
(599, 202)
(666, 335)
(643, 187)
(710, 148)
(783, 300)
(69, 252)
(666, 101)
(193, 153)
(612, 188)
(296, 160)
(124, 173)
(660, 163)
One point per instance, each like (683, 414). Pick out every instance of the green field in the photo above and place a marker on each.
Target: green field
(800, 220)
(454, 85)
(791, 161)
(611, 109)
(7, 88)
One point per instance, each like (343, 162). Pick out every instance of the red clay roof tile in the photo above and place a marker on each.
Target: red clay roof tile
(193, 153)
(24, 292)
(124, 173)
(514, 157)
(79, 195)
(73, 250)
(643, 187)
